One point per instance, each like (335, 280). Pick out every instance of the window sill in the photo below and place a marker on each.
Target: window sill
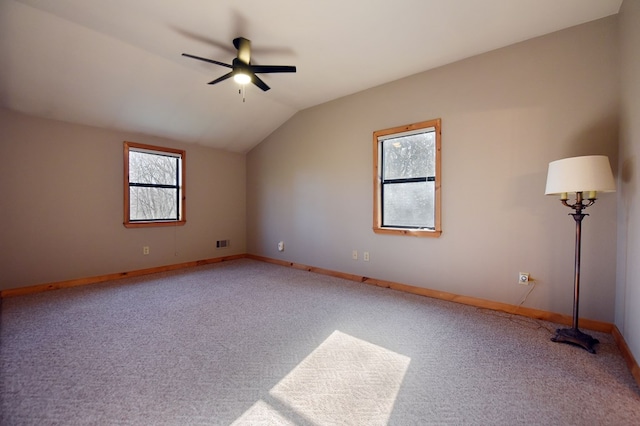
(154, 224)
(424, 233)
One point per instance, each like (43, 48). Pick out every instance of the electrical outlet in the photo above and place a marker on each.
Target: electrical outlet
(523, 278)
(145, 250)
(365, 256)
(354, 255)
(281, 246)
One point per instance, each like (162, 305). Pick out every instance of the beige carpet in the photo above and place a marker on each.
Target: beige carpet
(250, 343)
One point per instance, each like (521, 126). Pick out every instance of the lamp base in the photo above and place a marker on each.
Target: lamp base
(576, 337)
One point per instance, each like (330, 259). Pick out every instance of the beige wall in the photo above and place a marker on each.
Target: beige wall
(505, 115)
(62, 204)
(628, 282)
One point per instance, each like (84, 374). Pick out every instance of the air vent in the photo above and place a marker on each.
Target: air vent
(220, 244)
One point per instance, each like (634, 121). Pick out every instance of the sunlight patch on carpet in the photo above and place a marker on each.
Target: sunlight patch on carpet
(345, 380)
(262, 413)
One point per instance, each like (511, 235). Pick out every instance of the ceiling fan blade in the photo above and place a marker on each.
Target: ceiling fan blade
(244, 49)
(271, 68)
(258, 82)
(204, 39)
(219, 79)
(207, 60)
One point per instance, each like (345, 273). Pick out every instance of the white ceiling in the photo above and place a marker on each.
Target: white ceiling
(117, 63)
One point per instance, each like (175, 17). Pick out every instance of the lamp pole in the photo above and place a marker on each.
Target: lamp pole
(574, 335)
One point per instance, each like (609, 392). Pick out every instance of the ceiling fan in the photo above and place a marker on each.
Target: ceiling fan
(242, 70)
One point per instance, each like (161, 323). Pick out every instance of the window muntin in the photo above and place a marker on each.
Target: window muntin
(154, 185)
(406, 179)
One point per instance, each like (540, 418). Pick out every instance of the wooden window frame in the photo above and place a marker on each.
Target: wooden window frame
(182, 218)
(377, 181)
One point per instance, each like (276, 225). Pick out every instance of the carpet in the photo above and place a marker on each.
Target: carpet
(250, 343)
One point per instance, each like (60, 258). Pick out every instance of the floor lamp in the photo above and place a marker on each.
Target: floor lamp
(584, 176)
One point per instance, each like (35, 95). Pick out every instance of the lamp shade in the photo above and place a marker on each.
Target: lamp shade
(580, 174)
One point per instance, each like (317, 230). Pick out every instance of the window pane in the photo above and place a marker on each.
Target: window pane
(153, 203)
(151, 168)
(409, 156)
(409, 205)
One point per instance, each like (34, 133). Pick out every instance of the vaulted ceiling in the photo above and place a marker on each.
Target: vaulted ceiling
(117, 64)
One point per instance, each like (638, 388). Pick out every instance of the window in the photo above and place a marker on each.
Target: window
(406, 181)
(154, 186)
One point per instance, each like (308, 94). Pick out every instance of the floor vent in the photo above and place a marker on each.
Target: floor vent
(223, 244)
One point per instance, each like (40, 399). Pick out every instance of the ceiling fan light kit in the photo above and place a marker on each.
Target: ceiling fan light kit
(242, 78)
(242, 71)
